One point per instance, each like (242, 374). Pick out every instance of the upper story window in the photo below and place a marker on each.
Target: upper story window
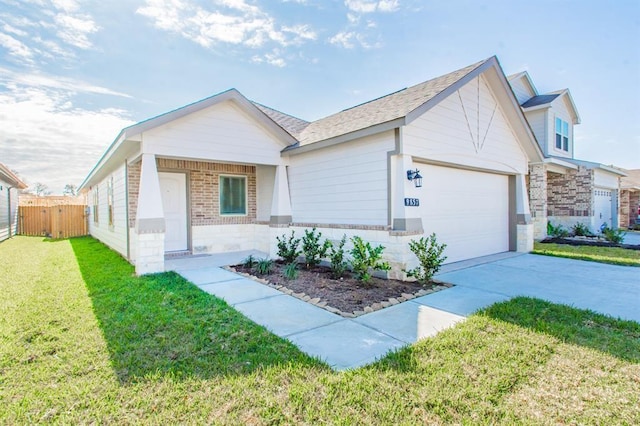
(562, 134)
(233, 195)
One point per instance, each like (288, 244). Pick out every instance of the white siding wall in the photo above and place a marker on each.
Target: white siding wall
(521, 89)
(605, 179)
(442, 133)
(114, 236)
(265, 179)
(538, 121)
(222, 132)
(8, 213)
(342, 184)
(560, 109)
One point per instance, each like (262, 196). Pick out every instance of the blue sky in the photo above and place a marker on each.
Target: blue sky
(73, 72)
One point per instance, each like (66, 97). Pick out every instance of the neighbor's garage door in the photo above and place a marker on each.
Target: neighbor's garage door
(468, 210)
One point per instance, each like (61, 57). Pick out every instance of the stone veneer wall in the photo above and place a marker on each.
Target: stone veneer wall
(570, 194)
(537, 185)
(203, 190)
(628, 207)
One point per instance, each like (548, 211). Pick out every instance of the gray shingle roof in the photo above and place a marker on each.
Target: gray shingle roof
(540, 100)
(292, 125)
(381, 110)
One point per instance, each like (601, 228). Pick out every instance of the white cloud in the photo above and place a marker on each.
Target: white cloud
(371, 6)
(75, 30)
(343, 39)
(14, 79)
(16, 48)
(274, 58)
(349, 40)
(229, 21)
(47, 139)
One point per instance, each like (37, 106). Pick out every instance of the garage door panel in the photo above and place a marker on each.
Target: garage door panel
(468, 210)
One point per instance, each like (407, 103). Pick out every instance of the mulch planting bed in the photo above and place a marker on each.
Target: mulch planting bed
(586, 241)
(346, 296)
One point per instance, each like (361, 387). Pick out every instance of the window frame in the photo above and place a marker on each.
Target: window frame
(110, 203)
(96, 205)
(246, 194)
(561, 135)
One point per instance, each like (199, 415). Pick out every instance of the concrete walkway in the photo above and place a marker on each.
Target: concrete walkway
(351, 343)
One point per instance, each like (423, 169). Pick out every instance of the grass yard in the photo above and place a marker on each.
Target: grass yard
(82, 340)
(612, 255)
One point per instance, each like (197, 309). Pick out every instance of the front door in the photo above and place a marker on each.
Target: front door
(173, 187)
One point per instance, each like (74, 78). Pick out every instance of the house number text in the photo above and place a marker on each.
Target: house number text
(411, 202)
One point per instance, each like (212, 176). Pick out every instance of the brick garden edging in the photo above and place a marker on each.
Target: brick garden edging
(324, 305)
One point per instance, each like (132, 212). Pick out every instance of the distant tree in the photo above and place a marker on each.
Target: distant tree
(41, 189)
(70, 190)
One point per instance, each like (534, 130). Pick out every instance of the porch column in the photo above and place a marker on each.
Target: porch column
(403, 217)
(281, 203)
(538, 199)
(150, 225)
(524, 225)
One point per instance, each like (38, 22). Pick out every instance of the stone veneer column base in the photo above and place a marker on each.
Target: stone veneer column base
(524, 242)
(150, 253)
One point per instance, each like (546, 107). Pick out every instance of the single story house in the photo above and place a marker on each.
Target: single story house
(564, 190)
(10, 186)
(228, 174)
(630, 199)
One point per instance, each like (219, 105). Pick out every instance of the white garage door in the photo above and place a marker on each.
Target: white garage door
(468, 210)
(602, 204)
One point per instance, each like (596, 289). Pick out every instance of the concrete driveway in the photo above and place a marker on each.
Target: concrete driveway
(608, 289)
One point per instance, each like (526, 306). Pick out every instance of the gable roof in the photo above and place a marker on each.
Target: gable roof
(384, 109)
(539, 100)
(9, 177)
(292, 125)
(524, 75)
(632, 180)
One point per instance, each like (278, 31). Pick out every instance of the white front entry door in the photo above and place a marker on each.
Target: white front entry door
(173, 187)
(468, 210)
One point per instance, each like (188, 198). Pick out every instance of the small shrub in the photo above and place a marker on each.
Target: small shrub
(249, 261)
(312, 249)
(291, 271)
(556, 231)
(581, 230)
(366, 258)
(263, 266)
(615, 236)
(288, 248)
(336, 254)
(429, 254)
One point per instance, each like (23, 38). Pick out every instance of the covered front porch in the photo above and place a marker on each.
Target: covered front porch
(197, 206)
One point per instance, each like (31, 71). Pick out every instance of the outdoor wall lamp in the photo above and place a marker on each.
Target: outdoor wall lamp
(414, 175)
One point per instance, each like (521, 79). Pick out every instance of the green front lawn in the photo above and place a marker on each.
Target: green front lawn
(612, 255)
(82, 340)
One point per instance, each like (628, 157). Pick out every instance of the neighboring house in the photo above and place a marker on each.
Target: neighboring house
(563, 189)
(10, 185)
(226, 174)
(630, 199)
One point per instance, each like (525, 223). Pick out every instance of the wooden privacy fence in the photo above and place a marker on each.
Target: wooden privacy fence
(61, 221)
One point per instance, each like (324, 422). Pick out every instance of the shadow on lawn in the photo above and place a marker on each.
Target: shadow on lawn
(616, 337)
(162, 324)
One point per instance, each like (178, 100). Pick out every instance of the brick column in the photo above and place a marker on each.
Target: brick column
(538, 199)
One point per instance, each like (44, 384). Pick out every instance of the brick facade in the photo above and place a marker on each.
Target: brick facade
(204, 195)
(628, 207)
(570, 194)
(538, 190)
